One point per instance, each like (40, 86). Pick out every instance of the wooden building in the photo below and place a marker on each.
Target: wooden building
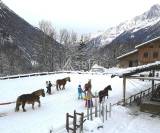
(147, 52)
(132, 73)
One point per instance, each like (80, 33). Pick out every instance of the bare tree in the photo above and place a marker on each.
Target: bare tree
(46, 53)
(48, 29)
(73, 37)
(64, 36)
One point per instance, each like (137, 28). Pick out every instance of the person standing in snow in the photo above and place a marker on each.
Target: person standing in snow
(48, 86)
(80, 91)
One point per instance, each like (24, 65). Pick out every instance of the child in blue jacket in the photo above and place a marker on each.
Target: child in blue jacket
(80, 91)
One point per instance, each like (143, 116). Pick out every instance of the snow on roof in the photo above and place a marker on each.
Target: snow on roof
(142, 44)
(134, 70)
(96, 66)
(129, 53)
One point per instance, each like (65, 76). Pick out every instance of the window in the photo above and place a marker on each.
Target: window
(155, 55)
(130, 63)
(145, 55)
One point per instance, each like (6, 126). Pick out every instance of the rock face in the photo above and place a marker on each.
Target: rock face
(21, 45)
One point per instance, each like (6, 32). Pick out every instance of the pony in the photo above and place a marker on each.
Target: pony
(87, 86)
(30, 99)
(104, 93)
(62, 82)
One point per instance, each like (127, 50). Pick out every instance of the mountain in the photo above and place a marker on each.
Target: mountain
(22, 46)
(147, 19)
(104, 47)
(118, 40)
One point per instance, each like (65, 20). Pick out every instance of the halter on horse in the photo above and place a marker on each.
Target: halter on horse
(104, 93)
(30, 99)
(62, 82)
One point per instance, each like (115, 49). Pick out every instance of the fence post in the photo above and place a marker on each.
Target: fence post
(87, 113)
(91, 108)
(81, 123)
(74, 122)
(95, 104)
(67, 122)
(106, 111)
(99, 109)
(103, 110)
(110, 109)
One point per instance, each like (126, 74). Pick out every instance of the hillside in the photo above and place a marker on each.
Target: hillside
(21, 45)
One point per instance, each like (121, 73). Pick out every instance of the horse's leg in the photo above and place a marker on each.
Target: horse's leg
(63, 87)
(33, 105)
(23, 105)
(39, 103)
(60, 87)
(17, 107)
(100, 99)
(57, 86)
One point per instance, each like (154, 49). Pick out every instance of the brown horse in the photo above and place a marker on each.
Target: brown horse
(87, 86)
(62, 82)
(30, 99)
(104, 93)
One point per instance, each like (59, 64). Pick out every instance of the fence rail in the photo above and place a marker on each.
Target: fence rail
(48, 73)
(137, 97)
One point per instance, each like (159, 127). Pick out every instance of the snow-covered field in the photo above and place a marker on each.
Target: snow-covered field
(52, 113)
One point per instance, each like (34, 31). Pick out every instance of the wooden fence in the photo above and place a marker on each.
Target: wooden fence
(99, 110)
(47, 73)
(137, 97)
(74, 118)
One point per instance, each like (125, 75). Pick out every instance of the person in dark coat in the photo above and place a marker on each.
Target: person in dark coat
(49, 85)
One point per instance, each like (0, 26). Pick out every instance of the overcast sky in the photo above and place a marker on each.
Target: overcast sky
(82, 16)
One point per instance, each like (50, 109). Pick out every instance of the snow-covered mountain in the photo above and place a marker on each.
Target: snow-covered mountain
(148, 18)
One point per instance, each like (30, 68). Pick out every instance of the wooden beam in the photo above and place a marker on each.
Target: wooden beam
(153, 74)
(142, 69)
(144, 78)
(124, 91)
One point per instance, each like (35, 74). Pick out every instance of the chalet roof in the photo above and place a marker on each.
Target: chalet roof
(138, 69)
(145, 43)
(129, 53)
(136, 50)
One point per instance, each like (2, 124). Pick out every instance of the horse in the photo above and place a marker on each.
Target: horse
(30, 99)
(87, 86)
(62, 82)
(104, 93)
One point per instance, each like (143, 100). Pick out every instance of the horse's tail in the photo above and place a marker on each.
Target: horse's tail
(18, 103)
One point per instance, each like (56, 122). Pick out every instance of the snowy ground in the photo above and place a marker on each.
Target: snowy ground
(51, 115)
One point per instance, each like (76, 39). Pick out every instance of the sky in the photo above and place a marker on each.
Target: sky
(82, 16)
